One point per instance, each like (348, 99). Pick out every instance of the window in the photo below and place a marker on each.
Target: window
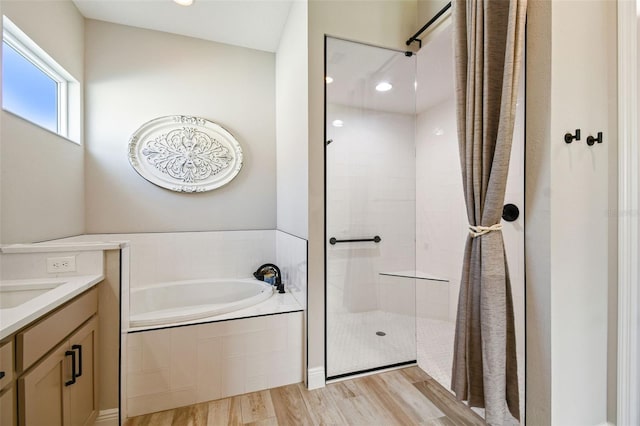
(37, 88)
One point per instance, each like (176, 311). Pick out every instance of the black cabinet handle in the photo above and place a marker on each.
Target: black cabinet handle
(79, 348)
(72, 354)
(1, 374)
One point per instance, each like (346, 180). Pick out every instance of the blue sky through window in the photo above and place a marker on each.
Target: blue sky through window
(27, 91)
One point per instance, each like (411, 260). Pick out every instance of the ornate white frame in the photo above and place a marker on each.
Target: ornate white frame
(185, 154)
(628, 411)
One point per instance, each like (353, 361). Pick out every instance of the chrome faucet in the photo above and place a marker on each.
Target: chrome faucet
(270, 267)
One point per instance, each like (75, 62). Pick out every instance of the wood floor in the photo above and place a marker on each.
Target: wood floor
(401, 397)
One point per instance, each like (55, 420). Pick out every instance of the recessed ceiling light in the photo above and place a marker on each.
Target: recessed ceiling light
(328, 79)
(438, 131)
(337, 123)
(383, 86)
(184, 2)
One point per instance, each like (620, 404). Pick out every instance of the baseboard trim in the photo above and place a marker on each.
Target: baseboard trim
(108, 417)
(315, 378)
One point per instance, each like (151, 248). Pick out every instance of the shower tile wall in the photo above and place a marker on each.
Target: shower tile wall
(291, 257)
(441, 219)
(371, 191)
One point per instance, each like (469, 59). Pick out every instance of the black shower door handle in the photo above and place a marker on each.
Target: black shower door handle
(334, 241)
(510, 212)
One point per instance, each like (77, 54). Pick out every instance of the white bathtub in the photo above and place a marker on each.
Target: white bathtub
(179, 301)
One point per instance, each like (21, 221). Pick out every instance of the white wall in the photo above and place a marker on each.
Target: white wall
(568, 203)
(42, 184)
(292, 123)
(135, 75)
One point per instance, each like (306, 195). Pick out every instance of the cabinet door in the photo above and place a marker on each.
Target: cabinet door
(7, 408)
(83, 395)
(42, 400)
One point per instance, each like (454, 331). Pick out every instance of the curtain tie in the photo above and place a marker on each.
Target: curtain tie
(478, 231)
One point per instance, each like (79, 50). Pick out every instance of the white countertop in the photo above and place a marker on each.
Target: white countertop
(13, 319)
(62, 247)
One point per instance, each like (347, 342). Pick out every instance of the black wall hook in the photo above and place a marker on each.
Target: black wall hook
(568, 137)
(591, 140)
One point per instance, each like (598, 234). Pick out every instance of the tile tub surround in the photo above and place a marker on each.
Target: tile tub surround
(174, 256)
(169, 368)
(291, 257)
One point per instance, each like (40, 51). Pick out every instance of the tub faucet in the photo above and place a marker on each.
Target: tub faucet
(270, 267)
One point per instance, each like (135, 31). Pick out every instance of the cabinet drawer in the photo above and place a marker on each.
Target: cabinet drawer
(6, 364)
(38, 339)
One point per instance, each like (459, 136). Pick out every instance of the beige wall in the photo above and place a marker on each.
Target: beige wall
(292, 123)
(135, 75)
(428, 8)
(42, 184)
(382, 23)
(537, 213)
(568, 190)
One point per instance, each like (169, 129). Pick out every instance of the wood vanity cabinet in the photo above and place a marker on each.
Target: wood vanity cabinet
(57, 382)
(7, 385)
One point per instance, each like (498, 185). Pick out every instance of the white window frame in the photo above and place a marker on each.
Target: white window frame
(67, 86)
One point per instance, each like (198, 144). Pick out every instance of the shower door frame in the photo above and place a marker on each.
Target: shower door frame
(329, 379)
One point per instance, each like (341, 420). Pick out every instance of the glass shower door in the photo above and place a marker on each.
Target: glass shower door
(370, 208)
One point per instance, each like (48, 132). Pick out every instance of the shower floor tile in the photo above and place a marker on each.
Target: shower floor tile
(353, 344)
(435, 348)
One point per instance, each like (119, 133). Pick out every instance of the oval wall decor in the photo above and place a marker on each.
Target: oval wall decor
(185, 154)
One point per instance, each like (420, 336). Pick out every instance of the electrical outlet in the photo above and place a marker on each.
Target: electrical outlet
(61, 264)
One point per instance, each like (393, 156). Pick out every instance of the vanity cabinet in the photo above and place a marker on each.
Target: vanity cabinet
(59, 383)
(7, 385)
(60, 390)
(8, 407)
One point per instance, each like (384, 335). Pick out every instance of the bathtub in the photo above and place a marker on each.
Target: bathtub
(178, 301)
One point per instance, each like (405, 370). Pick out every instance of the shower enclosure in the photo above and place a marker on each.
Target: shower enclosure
(370, 207)
(396, 220)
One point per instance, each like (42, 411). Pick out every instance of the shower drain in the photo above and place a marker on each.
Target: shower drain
(381, 333)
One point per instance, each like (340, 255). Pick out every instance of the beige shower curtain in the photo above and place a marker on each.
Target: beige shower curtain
(488, 46)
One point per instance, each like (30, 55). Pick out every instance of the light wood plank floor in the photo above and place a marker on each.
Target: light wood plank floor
(401, 397)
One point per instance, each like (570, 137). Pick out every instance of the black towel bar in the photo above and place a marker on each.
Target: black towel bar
(375, 239)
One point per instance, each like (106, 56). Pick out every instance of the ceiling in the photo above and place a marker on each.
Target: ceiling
(357, 68)
(256, 24)
(419, 82)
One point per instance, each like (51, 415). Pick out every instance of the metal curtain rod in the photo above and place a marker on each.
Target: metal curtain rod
(428, 24)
